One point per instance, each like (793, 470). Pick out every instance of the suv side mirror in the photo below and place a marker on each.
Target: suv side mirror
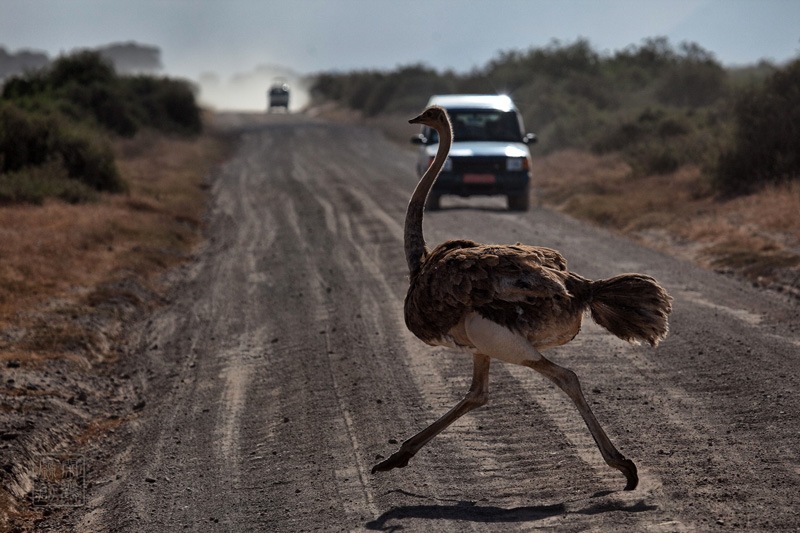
(530, 138)
(419, 139)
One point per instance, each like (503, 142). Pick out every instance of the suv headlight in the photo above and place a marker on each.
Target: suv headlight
(515, 164)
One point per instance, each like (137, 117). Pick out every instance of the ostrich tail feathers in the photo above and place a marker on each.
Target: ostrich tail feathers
(634, 307)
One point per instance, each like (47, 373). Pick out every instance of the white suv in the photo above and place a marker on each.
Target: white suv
(490, 154)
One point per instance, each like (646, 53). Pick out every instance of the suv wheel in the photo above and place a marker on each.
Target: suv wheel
(519, 202)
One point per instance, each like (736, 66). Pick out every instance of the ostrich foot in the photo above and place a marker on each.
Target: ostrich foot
(628, 469)
(398, 459)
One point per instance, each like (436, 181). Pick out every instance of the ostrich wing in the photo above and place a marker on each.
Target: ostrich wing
(523, 288)
(473, 275)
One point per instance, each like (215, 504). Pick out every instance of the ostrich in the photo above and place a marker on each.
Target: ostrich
(509, 303)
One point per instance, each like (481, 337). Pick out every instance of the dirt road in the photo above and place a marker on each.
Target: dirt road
(282, 372)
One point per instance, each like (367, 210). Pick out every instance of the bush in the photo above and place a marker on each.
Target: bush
(32, 139)
(54, 125)
(569, 94)
(88, 158)
(106, 103)
(81, 68)
(25, 138)
(692, 85)
(767, 137)
(660, 140)
(165, 104)
(84, 85)
(29, 85)
(34, 184)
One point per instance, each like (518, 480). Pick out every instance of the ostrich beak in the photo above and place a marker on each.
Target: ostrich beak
(416, 120)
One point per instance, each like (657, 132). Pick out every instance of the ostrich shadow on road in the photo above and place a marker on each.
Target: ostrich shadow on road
(471, 512)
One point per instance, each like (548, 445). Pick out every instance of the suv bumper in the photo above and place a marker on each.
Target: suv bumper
(505, 183)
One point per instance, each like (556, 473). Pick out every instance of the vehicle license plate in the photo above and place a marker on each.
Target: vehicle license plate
(479, 178)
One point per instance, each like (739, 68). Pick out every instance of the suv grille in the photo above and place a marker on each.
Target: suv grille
(489, 165)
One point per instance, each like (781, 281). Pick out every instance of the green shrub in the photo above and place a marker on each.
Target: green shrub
(165, 104)
(572, 96)
(25, 138)
(660, 140)
(85, 86)
(54, 125)
(88, 158)
(31, 139)
(29, 85)
(107, 103)
(34, 184)
(81, 68)
(692, 79)
(766, 147)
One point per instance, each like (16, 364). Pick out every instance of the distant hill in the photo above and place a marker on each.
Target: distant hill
(127, 58)
(21, 61)
(132, 58)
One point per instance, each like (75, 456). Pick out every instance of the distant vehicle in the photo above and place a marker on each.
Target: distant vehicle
(279, 96)
(490, 154)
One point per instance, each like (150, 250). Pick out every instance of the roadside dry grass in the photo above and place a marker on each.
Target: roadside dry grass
(756, 236)
(72, 277)
(73, 254)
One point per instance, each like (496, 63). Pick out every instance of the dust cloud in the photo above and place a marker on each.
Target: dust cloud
(248, 91)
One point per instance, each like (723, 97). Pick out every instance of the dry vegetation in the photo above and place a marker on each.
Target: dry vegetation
(755, 236)
(72, 254)
(72, 277)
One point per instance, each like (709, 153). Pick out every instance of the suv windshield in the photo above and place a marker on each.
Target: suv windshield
(481, 125)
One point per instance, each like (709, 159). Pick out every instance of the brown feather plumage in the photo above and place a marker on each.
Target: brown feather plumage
(524, 288)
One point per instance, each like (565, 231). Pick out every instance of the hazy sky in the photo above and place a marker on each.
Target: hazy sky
(236, 36)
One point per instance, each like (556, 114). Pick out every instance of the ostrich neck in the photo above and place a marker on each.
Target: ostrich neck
(414, 239)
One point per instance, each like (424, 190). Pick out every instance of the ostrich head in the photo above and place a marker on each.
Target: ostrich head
(435, 117)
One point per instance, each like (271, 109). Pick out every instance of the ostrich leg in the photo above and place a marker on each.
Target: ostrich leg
(477, 396)
(567, 381)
